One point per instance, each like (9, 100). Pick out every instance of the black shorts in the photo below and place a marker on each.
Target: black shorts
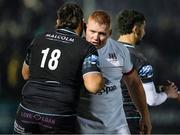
(28, 121)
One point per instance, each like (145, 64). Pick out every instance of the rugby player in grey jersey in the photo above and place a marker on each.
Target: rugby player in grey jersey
(103, 112)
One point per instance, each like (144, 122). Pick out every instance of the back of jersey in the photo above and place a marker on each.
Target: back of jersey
(56, 57)
(55, 60)
(138, 61)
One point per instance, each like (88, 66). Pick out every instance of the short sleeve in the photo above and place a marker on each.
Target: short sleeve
(146, 73)
(91, 61)
(28, 55)
(128, 66)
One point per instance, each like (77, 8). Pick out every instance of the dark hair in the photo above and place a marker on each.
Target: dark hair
(70, 15)
(127, 19)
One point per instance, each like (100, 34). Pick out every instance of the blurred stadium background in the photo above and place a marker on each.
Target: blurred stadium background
(20, 20)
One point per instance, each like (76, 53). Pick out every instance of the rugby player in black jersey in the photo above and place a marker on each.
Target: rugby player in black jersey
(131, 25)
(56, 65)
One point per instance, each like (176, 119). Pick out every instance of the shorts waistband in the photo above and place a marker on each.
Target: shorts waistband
(46, 113)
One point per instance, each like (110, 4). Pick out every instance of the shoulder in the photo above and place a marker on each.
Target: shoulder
(47, 33)
(140, 55)
(145, 69)
(85, 44)
(117, 45)
(120, 50)
(85, 47)
(40, 36)
(83, 41)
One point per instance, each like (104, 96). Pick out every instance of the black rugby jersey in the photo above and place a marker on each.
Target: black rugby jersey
(55, 61)
(145, 72)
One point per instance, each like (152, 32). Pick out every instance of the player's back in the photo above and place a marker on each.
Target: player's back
(138, 61)
(57, 56)
(55, 62)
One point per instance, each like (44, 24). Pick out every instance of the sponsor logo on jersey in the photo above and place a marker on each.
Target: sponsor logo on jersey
(146, 71)
(59, 37)
(113, 59)
(108, 87)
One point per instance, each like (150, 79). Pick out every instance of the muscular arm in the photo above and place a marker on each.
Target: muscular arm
(93, 82)
(134, 84)
(25, 71)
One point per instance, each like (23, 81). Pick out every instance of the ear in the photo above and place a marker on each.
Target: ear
(135, 29)
(57, 22)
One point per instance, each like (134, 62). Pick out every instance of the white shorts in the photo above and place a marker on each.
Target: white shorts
(121, 131)
(89, 127)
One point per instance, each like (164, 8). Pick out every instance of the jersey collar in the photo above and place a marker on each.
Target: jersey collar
(127, 45)
(67, 31)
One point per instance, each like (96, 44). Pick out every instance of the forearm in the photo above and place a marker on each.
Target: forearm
(152, 97)
(160, 98)
(137, 91)
(93, 81)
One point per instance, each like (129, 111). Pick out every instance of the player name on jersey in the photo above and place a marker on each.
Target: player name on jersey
(60, 37)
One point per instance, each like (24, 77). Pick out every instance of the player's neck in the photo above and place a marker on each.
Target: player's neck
(127, 39)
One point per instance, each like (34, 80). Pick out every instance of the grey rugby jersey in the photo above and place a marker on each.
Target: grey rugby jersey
(103, 112)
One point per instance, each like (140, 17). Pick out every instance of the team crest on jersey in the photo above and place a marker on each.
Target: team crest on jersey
(113, 59)
(146, 71)
(93, 59)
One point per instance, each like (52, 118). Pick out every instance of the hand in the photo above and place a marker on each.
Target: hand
(145, 126)
(171, 90)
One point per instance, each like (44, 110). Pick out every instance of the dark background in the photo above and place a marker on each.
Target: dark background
(21, 20)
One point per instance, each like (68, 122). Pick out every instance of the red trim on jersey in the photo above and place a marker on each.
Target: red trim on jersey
(132, 70)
